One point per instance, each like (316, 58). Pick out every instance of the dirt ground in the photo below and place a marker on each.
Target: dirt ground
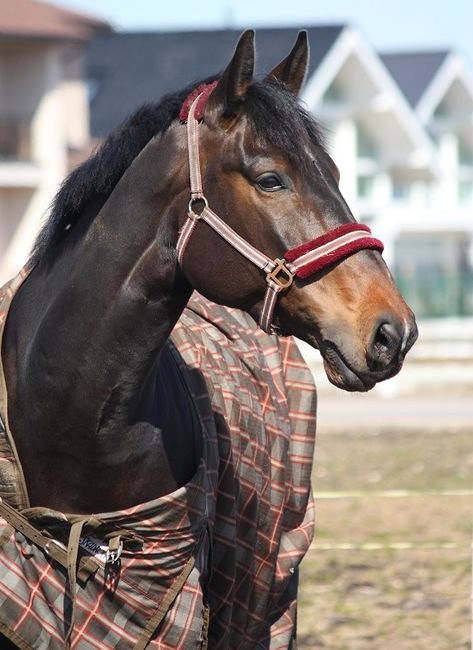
(390, 567)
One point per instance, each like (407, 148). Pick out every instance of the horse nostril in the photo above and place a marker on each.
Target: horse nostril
(386, 345)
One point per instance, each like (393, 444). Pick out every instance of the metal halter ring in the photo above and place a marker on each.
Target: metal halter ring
(194, 216)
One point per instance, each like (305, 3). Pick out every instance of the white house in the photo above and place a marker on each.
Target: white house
(376, 139)
(434, 253)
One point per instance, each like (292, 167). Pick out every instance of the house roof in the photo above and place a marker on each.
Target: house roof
(128, 69)
(40, 20)
(367, 95)
(414, 71)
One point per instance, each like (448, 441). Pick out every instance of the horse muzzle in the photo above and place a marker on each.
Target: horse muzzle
(383, 358)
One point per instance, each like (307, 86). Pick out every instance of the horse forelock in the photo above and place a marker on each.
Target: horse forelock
(278, 119)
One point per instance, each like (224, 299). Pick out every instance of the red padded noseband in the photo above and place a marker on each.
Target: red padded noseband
(331, 247)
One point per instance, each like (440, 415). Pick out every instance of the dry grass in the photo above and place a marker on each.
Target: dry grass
(399, 600)
(390, 597)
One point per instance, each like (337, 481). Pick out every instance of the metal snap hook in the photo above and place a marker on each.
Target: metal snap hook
(112, 555)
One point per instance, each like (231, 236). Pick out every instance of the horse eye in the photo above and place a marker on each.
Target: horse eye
(270, 183)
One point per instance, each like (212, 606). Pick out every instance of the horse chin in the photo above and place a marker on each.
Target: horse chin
(338, 370)
(341, 375)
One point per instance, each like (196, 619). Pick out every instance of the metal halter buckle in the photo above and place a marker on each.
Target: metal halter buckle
(287, 277)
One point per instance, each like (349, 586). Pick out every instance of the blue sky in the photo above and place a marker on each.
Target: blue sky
(403, 24)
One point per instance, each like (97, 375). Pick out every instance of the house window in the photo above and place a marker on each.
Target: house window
(333, 94)
(401, 191)
(465, 155)
(365, 186)
(434, 273)
(442, 109)
(465, 191)
(367, 219)
(92, 88)
(15, 140)
(465, 172)
(366, 146)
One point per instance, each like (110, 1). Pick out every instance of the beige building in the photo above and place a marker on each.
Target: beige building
(44, 120)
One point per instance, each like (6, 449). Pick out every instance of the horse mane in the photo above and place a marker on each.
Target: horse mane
(92, 182)
(274, 112)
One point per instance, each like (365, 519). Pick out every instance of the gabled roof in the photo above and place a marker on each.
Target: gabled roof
(128, 69)
(439, 85)
(369, 95)
(41, 20)
(414, 71)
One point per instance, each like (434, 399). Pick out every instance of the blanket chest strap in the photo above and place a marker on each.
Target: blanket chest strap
(52, 547)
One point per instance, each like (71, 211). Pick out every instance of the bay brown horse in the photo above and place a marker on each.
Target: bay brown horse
(84, 339)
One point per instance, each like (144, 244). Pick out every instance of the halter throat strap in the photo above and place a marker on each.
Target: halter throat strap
(301, 261)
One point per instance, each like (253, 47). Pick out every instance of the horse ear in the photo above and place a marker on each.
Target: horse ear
(292, 70)
(236, 79)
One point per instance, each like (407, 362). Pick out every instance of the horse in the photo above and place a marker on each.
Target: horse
(136, 381)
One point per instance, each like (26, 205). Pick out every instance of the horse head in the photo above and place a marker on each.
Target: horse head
(266, 174)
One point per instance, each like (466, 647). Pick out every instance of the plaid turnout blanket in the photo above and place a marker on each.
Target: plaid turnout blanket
(245, 520)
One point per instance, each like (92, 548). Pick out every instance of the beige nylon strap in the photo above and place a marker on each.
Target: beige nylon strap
(193, 152)
(185, 235)
(266, 316)
(252, 254)
(52, 547)
(72, 555)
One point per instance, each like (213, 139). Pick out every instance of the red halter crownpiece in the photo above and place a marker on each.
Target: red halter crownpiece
(203, 92)
(327, 249)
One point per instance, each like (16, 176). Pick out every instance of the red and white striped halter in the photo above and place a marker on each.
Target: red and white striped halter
(301, 262)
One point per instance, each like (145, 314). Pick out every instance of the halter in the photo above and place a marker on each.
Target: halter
(301, 261)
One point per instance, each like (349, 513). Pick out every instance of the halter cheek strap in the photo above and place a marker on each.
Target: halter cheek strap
(301, 261)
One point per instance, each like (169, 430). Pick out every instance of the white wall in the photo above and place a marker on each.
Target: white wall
(52, 100)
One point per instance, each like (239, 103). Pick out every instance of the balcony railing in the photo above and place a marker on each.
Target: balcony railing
(15, 140)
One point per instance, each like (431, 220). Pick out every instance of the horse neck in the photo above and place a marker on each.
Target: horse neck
(86, 331)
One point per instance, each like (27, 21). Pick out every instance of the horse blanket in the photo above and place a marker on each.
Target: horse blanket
(245, 518)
